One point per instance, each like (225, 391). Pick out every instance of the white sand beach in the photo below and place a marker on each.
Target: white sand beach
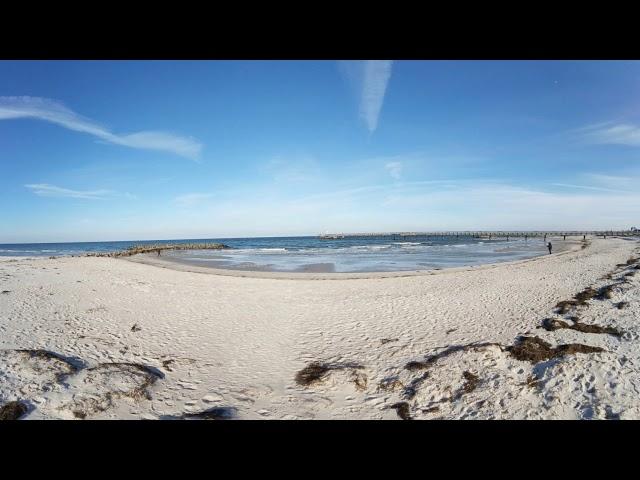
(144, 338)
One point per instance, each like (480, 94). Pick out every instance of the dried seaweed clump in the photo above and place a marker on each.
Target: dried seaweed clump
(402, 409)
(13, 410)
(68, 366)
(427, 362)
(316, 372)
(582, 298)
(312, 373)
(552, 324)
(390, 384)
(471, 383)
(534, 349)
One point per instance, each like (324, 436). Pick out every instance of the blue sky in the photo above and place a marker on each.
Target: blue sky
(150, 150)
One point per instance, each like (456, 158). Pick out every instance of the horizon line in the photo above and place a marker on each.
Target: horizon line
(356, 234)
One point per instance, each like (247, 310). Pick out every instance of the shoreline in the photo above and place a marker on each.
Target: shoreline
(192, 267)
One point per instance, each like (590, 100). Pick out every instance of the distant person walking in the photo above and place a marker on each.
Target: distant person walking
(549, 247)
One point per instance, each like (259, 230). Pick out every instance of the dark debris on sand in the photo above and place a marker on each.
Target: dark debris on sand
(390, 384)
(166, 364)
(471, 382)
(429, 361)
(402, 409)
(316, 371)
(532, 381)
(534, 349)
(552, 324)
(431, 409)
(70, 366)
(582, 298)
(13, 410)
(312, 373)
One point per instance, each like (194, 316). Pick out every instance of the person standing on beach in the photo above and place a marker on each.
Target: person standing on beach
(549, 247)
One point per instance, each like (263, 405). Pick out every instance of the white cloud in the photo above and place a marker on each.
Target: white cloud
(371, 78)
(604, 183)
(46, 190)
(55, 112)
(606, 133)
(585, 187)
(394, 169)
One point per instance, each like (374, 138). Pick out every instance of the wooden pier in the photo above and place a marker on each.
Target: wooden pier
(487, 234)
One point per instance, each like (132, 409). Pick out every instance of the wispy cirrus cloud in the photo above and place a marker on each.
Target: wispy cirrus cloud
(613, 134)
(604, 183)
(370, 77)
(585, 187)
(55, 112)
(46, 190)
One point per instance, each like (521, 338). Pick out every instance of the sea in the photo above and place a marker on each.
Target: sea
(312, 254)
